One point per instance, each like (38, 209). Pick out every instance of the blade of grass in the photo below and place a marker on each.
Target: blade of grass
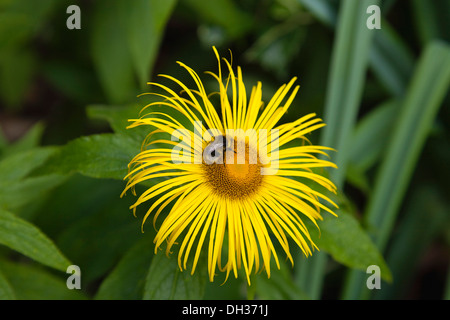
(371, 133)
(431, 19)
(349, 62)
(346, 80)
(323, 10)
(390, 59)
(424, 96)
(428, 88)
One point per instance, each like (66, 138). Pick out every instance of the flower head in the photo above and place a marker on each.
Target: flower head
(235, 181)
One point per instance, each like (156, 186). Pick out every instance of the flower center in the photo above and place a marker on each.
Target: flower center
(235, 179)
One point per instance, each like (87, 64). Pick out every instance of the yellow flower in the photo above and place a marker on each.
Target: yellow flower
(221, 185)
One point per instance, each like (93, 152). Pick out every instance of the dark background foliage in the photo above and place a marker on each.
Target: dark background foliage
(66, 95)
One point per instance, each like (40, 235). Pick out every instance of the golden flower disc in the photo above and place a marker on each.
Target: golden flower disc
(234, 179)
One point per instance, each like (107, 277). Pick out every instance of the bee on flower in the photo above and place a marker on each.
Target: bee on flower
(235, 181)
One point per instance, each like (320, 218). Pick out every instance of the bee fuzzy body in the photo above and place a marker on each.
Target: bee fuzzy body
(215, 150)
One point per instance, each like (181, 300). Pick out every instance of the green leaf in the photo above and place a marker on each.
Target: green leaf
(230, 290)
(425, 93)
(145, 23)
(125, 42)
(127, 279)
(6, 291)
(349, 61)
(371, 135)
(276, 48)
(165, 281)
(432, 19)
(17, 188)
(280, 285)
(19, 165)
(25, 238)
(31, 283)
(110, 230)
(73, 80)
(427, 89)
(391, 60)
(117, 117)
(223, 13)
(348, 243)
(358, 178)
(98, 226)
(25, 17)
(323, 10)
(17, 194)
(17, 68)
(110, 52)
(30, 140)
(97, 156)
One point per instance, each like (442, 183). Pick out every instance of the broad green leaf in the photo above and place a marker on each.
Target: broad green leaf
(17, 187)
(19, 165)
(97, 156)
(6, 292)
(32, 283)
(99, 228)
(127, 279)
(117, 117)
(17, 194)
(30, 140)
(165, 281)
(24, 237)
(348, 243)
(110, 52)
(145, 23)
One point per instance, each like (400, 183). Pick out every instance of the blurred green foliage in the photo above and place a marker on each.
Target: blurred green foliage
(66, 95)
